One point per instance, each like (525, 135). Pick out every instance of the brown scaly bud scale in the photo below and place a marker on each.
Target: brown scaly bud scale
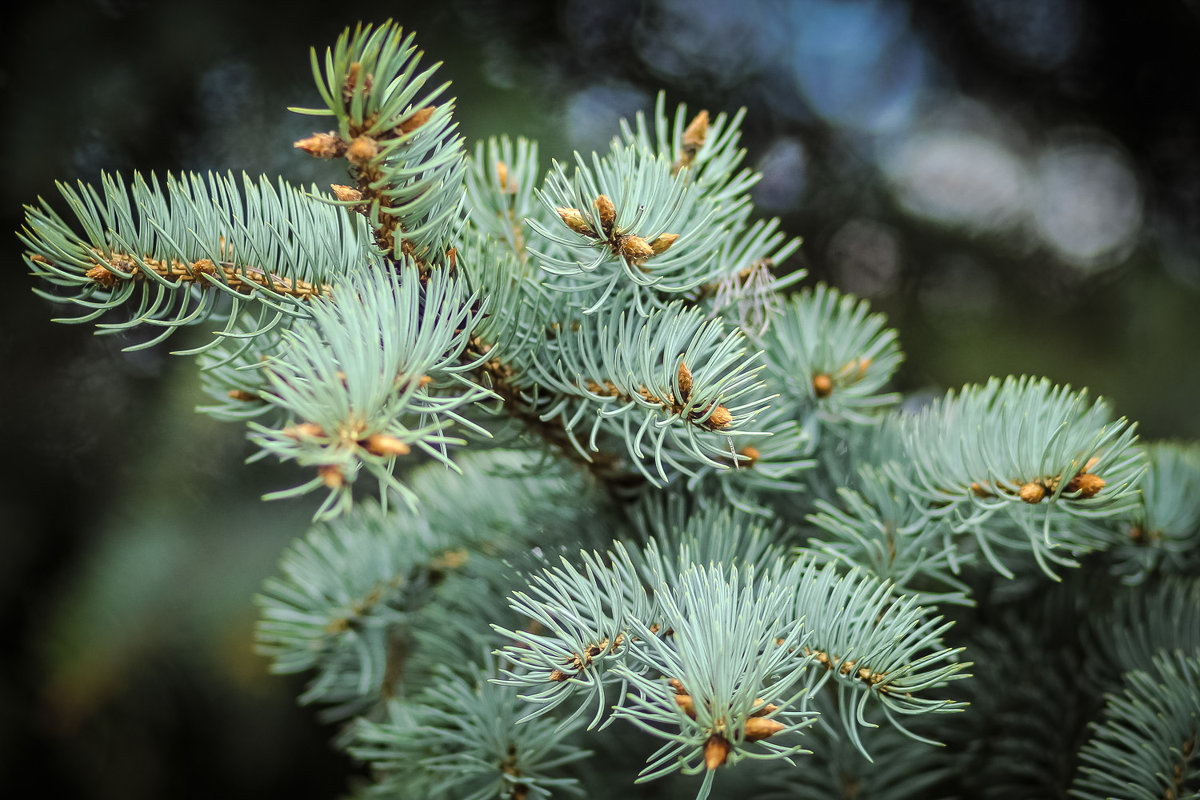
(415, 120)
(634, 249)
(693, 140)
(685, 382)
(720, 417)
(362, 150)
(347, 194)
(332, 476)
(322, 145)
(716, 751)
(661, 243)
(381, 444)
(575, 221)
(607, 213)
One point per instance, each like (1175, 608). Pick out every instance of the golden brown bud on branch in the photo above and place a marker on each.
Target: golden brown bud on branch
(332, 475)
(1086, 484)
(660, 244)
(758, 728)
(608, 213)
(696, 132)
(575, 221)
(416, 119)
(322, 145)
(381, 444)
(720, 417)
(304, 429)
(346, 193)
(362, 150)
(1032, 493)
(716, 750)
(634, 248)
(685, 381)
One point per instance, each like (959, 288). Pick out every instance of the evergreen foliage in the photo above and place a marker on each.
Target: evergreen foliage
(636, 512)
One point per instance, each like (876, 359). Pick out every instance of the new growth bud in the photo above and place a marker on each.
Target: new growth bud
(696, 132)
(362, 150)
(720, 417)
(685, 381)
(660, 244)
(634, 248)
(322, 145)
(607, 212)
(416, 120)
(575, 221)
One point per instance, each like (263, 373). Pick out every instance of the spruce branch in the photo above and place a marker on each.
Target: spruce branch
(1146, 746)
(707, 147)
(627, 375)
(624, 219)
(173, 253)
(373, 376)
(1161, 535)
(403, 151)
(1024, 446)
(368, 600)
(827, 352)
(502, 179)
(876, 526)
(459, 740)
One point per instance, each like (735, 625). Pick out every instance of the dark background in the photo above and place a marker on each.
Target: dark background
(1017, 184)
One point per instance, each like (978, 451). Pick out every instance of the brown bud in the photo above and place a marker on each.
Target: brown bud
(751, 456)
(304, 429)
(1032, 493)
(763, 707)
(661, 243)
(332, 475)
(322, 145)
(381, 444)
(502, 175)
(720, 417)
(575, 221)
(1086, 484)
(346, 193)
(674, 683)
(102, 276)
(716, 750)
(558, 676)
(822, 385)
(352, 81)
(362, 150)
(1092, 462)
(608, 213)
(416, 119)
(204, 267)
(685, 381)
(980, 490)
(758, 728)
(696, 132)
(634, 248)
(243, 395)
(684, 701)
